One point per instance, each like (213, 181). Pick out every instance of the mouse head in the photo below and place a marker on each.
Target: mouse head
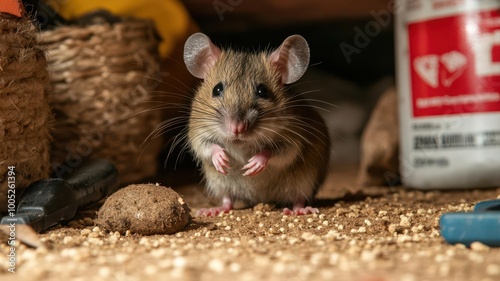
(240, 88)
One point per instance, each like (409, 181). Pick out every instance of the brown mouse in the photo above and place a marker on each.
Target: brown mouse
(254, 138)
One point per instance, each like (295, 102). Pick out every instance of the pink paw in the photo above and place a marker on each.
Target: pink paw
(211, 212)
(301, 211)
(220, 159)
(257, 163)
(227, 205)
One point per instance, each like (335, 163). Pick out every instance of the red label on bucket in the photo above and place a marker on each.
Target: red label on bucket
(455, 64)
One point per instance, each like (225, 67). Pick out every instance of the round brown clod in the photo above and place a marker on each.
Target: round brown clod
(144, 209)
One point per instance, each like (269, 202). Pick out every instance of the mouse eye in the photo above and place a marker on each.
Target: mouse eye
(218, 89)
(262, 91)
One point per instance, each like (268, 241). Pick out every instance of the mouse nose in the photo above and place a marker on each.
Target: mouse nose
(237, 127)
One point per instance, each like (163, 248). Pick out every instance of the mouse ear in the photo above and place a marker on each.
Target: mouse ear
(200, 54)
(291, 58)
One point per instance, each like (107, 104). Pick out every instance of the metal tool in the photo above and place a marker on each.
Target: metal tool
(49, 201)
(481, 225)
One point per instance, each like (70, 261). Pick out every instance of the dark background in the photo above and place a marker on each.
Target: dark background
(324, 24)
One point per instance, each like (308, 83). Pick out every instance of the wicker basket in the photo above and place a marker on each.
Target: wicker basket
(101, 75)
(24, 106)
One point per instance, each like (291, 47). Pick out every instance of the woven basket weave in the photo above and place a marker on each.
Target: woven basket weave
(24, 106)
(101, 75)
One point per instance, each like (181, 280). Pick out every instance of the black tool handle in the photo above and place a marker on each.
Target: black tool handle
(44, 204)
(92, 181)
(49, 201)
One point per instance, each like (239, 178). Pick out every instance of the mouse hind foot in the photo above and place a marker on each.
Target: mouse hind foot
(227, 205)
(299, 209)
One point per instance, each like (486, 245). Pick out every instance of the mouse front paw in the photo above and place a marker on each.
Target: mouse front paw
(220, 159)
(257, 163)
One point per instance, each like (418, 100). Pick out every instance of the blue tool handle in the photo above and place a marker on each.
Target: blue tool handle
(489, 205)
(466, 228)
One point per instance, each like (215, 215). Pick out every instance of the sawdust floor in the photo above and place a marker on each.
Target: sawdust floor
(367, 235)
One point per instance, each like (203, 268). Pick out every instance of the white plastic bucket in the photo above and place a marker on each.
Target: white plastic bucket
(448, 76)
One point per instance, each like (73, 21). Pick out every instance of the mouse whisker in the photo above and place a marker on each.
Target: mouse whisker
(178, 139)
(205, 113)
(313, 103)
(289, 140)
(173, 106)
(146, 110)
(168, 94)
(167, 123)
(303, 126)
(205, 118)
(289, 87)
(189, 89)
(161, 107)
(299, 94)
(206, 134)
(164, 129)
(301, 123)
(266, 140)
(285, 128)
